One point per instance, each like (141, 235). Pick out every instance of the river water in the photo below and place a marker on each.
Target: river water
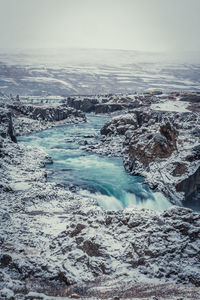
(99, 177)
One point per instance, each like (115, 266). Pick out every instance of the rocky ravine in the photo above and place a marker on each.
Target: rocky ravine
(161, 146)
(55, 243)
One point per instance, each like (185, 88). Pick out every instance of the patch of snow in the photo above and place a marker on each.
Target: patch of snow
(171, 105)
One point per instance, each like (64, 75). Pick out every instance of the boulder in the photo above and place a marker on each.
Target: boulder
(119, 125)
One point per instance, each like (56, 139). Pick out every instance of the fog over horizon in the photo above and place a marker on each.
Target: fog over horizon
(141, 25)
(82, 47)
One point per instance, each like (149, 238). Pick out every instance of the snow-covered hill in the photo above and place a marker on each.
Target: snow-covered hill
(95, 71)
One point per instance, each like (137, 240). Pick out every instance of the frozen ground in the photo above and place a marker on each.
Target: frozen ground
(171, 105)
(60, 244)
(55, 243)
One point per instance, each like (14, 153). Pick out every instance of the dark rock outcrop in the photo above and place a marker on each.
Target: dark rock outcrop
(119, 125)
(49, 113)
(108, 108)
(190, 185)
(158, 145)
(146, 146)
(194, 155)
(102, 106)
(85, 104)
(29, 118)
(180, 169)
(91, 248)
(191, 98)
(6, 125)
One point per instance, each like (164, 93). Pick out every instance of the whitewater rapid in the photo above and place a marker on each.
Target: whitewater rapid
(100, 177)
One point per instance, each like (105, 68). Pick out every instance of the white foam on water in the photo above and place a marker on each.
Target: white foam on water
(158, 202)
(106, 202)
(155, 201)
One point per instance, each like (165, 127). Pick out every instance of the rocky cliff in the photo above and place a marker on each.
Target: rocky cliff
(161, 146)
(103, 105)
(36, 117)
(45, 112)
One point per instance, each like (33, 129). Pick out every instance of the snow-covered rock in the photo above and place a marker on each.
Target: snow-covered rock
(54, 242)
(161, 146)
(28, 117)
(45, 112)
(108, 104)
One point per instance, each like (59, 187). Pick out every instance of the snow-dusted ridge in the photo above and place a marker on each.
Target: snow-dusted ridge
(92, 71)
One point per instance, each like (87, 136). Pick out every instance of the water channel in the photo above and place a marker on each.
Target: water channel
(103, 178)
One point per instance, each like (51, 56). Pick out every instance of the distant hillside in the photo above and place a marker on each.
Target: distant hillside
(94, 71)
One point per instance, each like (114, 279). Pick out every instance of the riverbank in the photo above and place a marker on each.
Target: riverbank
(36, 117)
(58, 243)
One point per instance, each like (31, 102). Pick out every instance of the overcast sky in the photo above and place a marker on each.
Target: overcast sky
(149, 25)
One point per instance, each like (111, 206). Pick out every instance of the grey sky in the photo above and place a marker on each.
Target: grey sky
(150, 25)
